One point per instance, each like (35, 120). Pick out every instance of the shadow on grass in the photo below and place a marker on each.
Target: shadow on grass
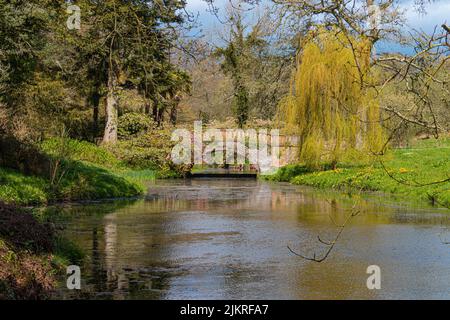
(84, 181)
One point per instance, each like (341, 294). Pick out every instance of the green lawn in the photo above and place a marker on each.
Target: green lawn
(411, 173)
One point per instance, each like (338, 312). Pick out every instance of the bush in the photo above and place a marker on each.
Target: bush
(152, 151)
(25, 276)
(30, 250)
(134, 123)
(287, 173)
(25, 260)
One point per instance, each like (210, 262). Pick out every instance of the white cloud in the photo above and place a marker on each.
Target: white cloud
(437, 13)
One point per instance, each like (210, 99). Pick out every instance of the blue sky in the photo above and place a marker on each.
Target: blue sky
(438, 12)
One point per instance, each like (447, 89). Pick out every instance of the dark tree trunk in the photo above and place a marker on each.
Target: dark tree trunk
(157, 113)
(95, 104)
(174, 114)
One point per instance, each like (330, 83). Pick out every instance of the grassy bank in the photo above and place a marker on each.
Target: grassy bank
(77, 171)
(409, 173)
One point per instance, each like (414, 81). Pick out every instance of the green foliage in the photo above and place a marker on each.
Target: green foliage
(88, 172)
(82, 182)
(51, 74)
(327, 107)
(88, 182)
(127, 47)
(134, 123)
(286, 173)
(426, 162)
(140, 175)
(149, 151)
(22, 28)
(20, 189)
(92, 172)
(82, 151)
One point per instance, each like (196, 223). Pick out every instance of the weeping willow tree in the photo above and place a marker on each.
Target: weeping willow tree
(328, 107)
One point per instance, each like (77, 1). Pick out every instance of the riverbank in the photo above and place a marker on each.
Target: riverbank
(75, 171)
(32, 254)
(411, 172)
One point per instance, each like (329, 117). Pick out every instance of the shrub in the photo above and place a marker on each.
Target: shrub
(149, 151)
(25, 276)
(134, 123)
(25, 255)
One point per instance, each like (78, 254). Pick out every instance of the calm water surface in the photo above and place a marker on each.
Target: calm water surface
(227, 239)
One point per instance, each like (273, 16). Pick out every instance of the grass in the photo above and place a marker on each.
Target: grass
(18, 188)
(411, 173)
(87, 172)
(139, 175)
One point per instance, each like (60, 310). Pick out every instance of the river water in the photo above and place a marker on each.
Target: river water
(228, 238)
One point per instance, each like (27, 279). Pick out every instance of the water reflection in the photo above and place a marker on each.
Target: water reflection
(193, 239)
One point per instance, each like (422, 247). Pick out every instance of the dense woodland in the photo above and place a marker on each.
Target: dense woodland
(142, 57)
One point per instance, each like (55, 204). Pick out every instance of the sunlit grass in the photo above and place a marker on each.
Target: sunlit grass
(410, 172)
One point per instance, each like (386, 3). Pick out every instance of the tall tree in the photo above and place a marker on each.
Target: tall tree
(237, 56)
(326, 103)
(126, 43)
(257, 56)
(23, 32)
(383, 20)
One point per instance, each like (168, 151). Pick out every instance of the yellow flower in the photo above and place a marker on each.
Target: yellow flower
(403, 170)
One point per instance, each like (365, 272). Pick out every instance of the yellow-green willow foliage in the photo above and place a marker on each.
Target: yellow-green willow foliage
(330, 110)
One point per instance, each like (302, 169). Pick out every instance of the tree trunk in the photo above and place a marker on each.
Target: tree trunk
(157, 113)
(95, 103)
(174, 114)
(110, 135)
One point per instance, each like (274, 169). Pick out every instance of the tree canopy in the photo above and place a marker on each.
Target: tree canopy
(327, 106)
